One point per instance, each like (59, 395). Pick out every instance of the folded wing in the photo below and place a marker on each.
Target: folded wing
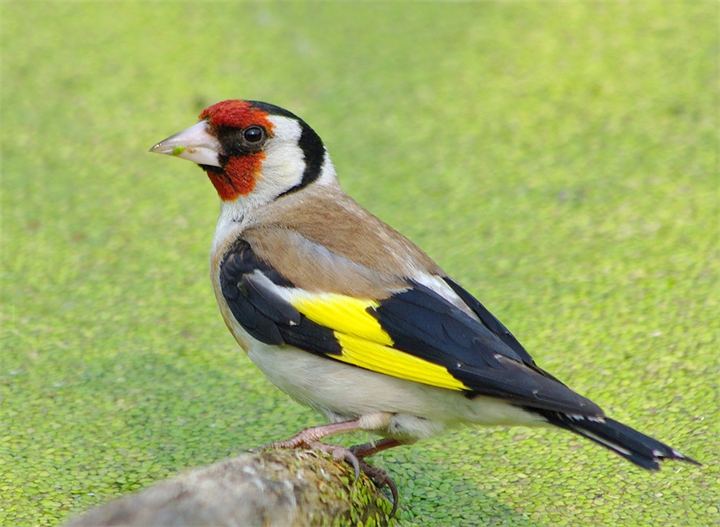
(413, 333)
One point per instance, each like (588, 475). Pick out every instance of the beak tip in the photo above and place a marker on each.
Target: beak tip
(160, 148)
(194, 144)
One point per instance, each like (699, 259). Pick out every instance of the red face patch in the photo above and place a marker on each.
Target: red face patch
(236, 114)
(240, 173)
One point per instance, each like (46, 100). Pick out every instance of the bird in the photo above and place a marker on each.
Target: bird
(349, 317)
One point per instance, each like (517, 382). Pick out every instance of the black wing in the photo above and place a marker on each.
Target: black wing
(428, 339)
(483, 354)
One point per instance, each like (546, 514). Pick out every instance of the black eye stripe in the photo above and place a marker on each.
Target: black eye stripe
(242, 141)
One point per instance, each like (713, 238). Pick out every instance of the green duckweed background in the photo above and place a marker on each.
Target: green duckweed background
(559, 159)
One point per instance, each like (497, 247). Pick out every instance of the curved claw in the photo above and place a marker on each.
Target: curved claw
(354, 456)
(338, 453)
(380, 478)
(395, 495)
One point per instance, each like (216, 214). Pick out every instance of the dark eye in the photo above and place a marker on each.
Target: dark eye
(253, 134)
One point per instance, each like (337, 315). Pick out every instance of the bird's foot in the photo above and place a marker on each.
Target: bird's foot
(381, 479)
(339, 453)
(373, 447)
(313, 434)
(355, 456)
(377, 475)
(308, 438)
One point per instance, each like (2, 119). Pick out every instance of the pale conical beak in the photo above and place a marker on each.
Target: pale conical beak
(195, 144)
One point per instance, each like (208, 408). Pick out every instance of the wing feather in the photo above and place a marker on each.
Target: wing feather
(414, 334)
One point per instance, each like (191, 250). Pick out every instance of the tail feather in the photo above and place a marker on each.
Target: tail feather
(637, 448)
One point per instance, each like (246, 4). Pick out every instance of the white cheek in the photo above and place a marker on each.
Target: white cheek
(284, 162)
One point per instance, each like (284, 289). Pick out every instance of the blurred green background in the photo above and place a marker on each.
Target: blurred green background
(558, 159)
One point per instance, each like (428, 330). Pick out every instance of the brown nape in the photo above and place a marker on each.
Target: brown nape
(294, 233)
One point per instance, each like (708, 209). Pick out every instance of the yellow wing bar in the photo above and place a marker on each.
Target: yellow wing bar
(344, 314)
(366, 344)
(390, 361)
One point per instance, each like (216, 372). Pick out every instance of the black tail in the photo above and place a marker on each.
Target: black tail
(638, 448)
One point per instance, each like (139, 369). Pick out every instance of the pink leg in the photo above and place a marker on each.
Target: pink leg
(310, 438)
(372, 448)
(315, 433)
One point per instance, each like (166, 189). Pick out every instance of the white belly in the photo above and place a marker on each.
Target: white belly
(342, 391)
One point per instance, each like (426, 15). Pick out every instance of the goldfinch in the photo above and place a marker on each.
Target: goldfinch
(348, 316)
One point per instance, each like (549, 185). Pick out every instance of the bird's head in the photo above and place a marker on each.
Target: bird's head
(253, 152)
